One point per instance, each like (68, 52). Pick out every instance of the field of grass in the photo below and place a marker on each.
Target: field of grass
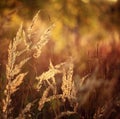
(82, 81)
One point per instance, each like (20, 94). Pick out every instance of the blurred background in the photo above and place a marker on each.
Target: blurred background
(87, 30)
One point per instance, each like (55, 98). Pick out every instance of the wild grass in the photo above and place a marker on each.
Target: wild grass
(59, 92)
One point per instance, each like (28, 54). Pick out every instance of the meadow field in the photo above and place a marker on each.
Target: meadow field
(60, 59)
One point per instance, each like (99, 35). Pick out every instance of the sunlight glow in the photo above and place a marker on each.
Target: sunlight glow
(112, 0)
(86, 1)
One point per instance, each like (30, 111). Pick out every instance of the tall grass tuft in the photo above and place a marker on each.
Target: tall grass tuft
(59, 92)
(14, 75)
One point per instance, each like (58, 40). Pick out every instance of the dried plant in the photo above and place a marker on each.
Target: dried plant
(13, 69)
(76, 93)
(22, 115)
(68, 113)
(47, 76)
(66, 69)
(67, 80)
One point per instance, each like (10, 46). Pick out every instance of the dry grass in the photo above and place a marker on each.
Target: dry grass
(13, 69)
(81, 97)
